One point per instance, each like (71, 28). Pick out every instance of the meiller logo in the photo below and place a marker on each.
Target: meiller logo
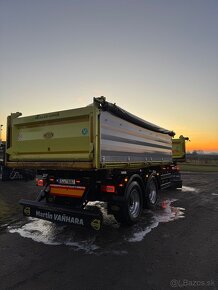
(48, 135)
(59, 217)
(44, 116)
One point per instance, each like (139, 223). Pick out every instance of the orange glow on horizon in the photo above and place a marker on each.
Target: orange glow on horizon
(204, 146)
(201, 140)
(3, 136)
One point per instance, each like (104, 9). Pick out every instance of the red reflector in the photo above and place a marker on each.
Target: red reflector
(164, 204)
(40, 182)
(108, 188)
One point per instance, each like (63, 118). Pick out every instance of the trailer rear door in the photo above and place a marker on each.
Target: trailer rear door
(59, 136)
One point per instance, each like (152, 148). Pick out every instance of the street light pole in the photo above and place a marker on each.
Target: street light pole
(1, 133)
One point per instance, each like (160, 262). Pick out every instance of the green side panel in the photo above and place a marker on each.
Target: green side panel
(59, 136)
(178, 147)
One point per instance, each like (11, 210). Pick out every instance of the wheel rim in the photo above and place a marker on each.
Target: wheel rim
(153, 192)
(134, 204)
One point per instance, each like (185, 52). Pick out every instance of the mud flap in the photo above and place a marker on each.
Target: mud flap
(75, 217)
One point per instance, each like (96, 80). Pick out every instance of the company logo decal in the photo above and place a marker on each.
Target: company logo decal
(48, 135)
(84, 131)
(44, 116)
(26, 211)
(96, 224)
(59, 217)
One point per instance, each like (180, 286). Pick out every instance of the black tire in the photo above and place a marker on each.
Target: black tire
(151, 193)
(5, 173)
(131, 208)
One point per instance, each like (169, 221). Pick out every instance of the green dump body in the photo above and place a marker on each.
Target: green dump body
(179, 149)
(52, 138)
(100, 135)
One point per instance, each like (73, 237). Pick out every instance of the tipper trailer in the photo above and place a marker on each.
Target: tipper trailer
(95, 153)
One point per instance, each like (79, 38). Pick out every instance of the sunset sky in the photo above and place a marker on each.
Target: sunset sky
(156, 59)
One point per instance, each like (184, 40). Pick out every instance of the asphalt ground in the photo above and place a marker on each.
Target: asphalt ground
(173, 247)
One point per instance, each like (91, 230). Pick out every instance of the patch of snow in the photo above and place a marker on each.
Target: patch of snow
(189, 189)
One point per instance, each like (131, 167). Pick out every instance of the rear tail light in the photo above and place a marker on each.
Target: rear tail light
(175, 168)
(108, 188)
(40, 182)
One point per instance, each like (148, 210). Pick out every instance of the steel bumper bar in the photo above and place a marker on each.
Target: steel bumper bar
(65, 215)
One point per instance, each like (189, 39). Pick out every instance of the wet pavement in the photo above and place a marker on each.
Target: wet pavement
(175, 242)
(112, 237)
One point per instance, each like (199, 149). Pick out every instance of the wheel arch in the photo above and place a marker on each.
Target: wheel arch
(131, 207)
(152, 176)
(156, 178)
(138, 179)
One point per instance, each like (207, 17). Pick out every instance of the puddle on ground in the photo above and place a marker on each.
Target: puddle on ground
(7, 214)
(166, 213)
(188, 189)
(4, 209)
(112, 239)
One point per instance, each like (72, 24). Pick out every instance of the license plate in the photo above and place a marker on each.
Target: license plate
(66, 181)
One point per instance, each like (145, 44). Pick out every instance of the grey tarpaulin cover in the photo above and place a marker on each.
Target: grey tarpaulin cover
(117, 111)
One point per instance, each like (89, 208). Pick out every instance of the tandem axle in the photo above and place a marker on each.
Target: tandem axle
(65, 194)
